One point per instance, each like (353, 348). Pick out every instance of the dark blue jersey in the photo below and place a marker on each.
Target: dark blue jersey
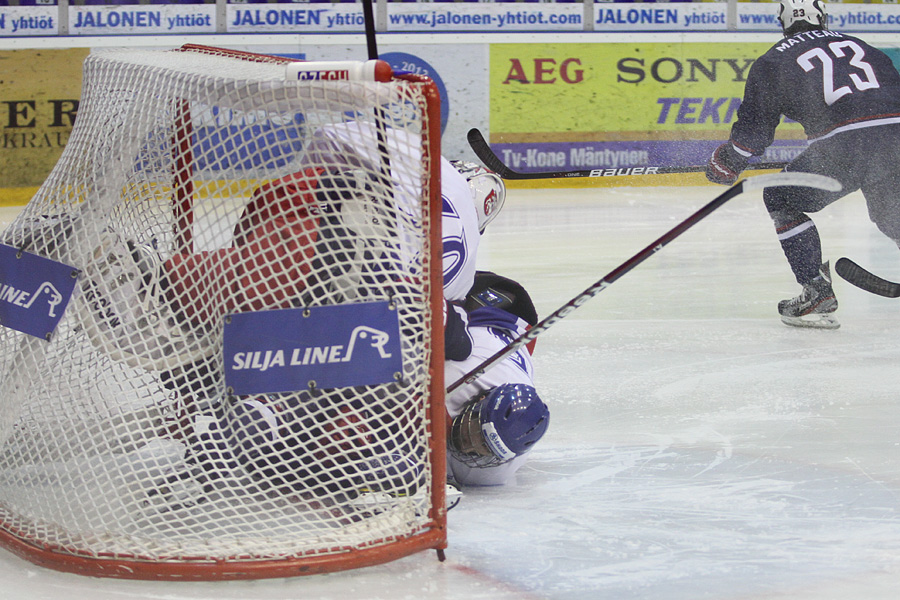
(822, 79)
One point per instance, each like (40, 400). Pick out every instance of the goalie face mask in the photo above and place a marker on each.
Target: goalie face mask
(487, 188)
(498, 425)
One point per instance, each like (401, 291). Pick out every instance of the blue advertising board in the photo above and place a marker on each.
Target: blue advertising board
(321, 347)
(34, 291)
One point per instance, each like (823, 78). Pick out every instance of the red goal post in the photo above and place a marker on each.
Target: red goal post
(123, 451)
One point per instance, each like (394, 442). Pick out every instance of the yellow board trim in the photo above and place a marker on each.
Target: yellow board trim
(16, 196)
(202, 191)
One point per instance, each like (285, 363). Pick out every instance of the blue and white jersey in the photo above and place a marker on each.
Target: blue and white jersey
(353, 143)
(491, 329)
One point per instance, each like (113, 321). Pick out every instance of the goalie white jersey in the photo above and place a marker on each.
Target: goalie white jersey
(356, 144)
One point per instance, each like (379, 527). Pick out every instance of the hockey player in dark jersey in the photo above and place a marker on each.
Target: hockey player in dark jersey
(846, 94)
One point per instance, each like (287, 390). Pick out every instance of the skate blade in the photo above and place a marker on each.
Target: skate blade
(812, 321)
(378, 502)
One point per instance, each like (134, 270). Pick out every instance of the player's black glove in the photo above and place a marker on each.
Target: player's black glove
(725, 165)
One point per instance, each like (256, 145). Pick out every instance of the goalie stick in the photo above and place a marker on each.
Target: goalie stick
(483, 150)
(864, 280)
(751, 183)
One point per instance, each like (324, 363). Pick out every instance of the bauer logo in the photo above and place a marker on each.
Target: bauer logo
(34, 291)
(321, 347)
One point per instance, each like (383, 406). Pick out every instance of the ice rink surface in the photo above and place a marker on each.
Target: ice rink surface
(698, 448)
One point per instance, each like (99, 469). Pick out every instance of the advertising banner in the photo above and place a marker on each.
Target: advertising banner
(16, 21)
(484, 17)
(39, 94)
(142, 19)
(426, 17)
(34, 291)
(319, 347)
(622, 17)
(841, 17)
(661, 17)
(295, 18)
(597, 106)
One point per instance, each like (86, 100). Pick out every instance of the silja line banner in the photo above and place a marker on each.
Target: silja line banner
(319, 347)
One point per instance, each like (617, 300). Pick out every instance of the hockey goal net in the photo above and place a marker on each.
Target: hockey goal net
(197, 413)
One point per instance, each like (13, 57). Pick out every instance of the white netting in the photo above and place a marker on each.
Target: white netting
(191, 189)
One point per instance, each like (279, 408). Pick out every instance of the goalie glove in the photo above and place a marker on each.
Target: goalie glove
(124, 311)
(725, 165)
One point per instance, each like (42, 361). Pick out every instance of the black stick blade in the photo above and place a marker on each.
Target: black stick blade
(483, 151)
(864, 280)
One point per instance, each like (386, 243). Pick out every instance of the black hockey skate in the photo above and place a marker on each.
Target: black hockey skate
(815, 306)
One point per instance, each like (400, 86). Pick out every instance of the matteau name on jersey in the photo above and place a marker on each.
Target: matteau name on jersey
(805, 36)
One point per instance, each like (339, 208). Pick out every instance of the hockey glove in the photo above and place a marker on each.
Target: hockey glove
(725, 165)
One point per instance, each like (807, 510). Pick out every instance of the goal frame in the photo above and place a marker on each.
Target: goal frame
(431, 537)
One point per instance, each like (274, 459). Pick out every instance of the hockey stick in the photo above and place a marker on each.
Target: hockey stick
(380, 127)
(483, 150)
(369, 24)
(752, 183)
(864, 280)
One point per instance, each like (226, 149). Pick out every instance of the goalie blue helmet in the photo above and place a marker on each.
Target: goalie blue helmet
(498, 425)
(802, 15)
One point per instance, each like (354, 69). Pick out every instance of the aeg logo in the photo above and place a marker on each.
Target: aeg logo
(545, 71)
